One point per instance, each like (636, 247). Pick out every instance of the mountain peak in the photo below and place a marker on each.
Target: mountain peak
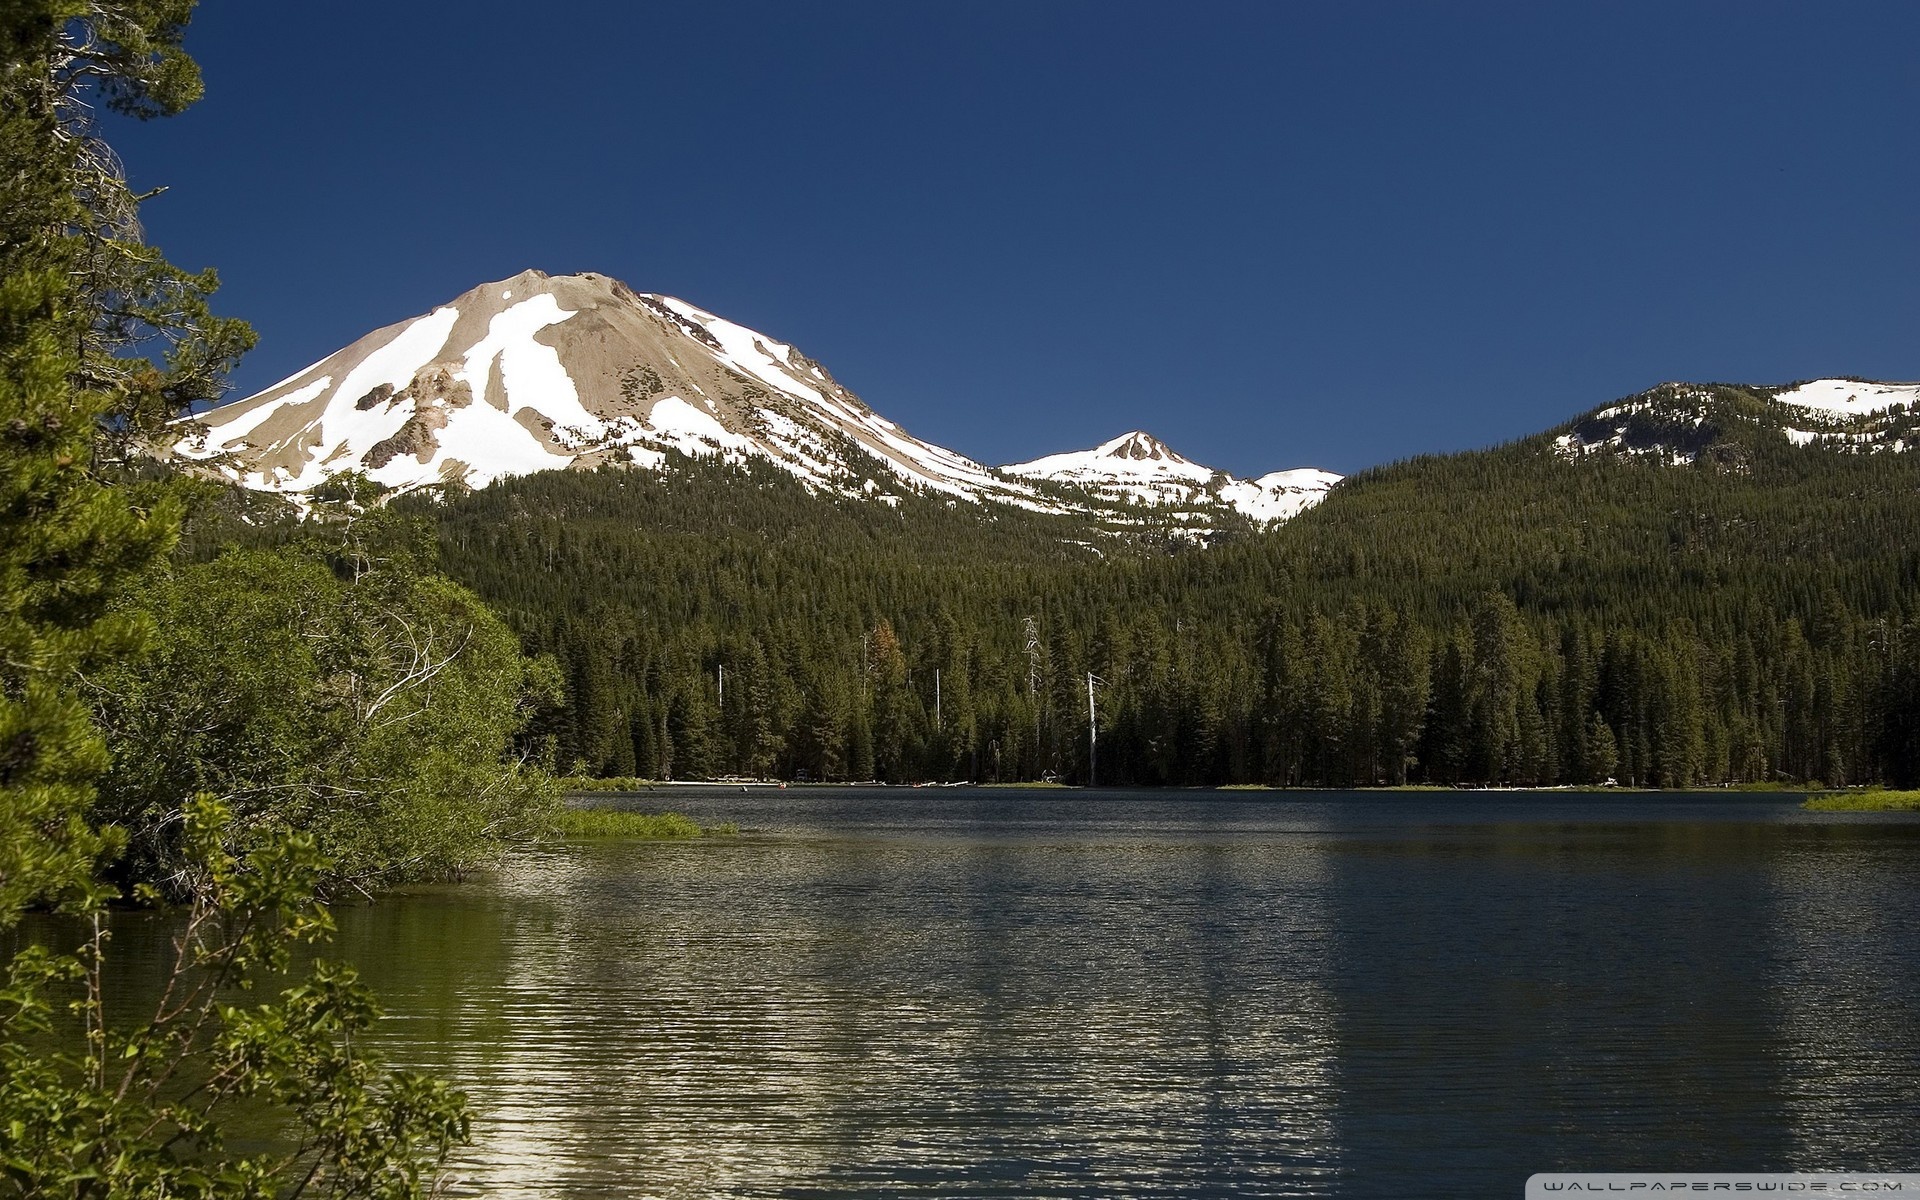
(1138, 468)
(1138, 446)
(1133, 454)
(537, 372)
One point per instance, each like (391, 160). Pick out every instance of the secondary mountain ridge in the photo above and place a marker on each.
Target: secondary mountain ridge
(1138, 468)
(1682, 423)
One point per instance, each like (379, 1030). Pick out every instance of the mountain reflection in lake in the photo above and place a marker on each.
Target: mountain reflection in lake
(993, 993)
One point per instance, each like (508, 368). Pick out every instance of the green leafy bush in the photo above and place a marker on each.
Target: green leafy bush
(89, 1108)
(377, 711)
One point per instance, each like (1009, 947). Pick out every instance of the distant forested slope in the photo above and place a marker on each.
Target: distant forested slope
(1504, 616)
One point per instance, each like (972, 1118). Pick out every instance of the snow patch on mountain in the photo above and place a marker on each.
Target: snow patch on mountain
(530, 371)
(1849, 397)
(1137, 468)
(1279, 495)
(1136, 464)
(1678, 423)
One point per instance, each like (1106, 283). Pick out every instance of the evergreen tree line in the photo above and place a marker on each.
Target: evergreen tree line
(1501, 617)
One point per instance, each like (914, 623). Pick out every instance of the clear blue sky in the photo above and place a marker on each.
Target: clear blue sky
(1275, 234)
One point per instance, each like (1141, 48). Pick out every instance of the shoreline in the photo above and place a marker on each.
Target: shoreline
(573, 788)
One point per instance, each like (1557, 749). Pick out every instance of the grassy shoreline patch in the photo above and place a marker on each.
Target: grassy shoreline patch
(1871, 800)
(577, 783)
(624, 823)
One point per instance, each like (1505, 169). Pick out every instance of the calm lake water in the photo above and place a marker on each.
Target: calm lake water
(992, 993)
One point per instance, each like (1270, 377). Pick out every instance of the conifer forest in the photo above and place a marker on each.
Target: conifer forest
(1504, 617)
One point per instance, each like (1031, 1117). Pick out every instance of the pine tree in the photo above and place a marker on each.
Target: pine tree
(67, 544)
(1602, 752)
(89, 1105)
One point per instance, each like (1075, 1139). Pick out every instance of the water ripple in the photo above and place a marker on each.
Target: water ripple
(1168, 998)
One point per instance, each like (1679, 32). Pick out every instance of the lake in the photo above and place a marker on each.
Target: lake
(891, 992)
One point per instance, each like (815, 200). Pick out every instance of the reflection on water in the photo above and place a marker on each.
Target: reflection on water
(877, 993)
(1841, 990)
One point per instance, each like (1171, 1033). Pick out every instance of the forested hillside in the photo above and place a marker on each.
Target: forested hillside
(1506, 616)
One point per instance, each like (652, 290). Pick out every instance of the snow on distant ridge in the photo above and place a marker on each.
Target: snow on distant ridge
(1131, 456)
(1138, 468)
(1280, 495)
(1677, 422)
(1850, 397)
(1852, 414)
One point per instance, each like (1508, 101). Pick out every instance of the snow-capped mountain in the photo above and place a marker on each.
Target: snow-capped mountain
(1681, 422)
(539, 372)
(1138, 468)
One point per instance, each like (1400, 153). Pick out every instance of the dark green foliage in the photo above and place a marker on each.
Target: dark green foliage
(145, 339)
(100, 338)
(375, 709)
(78, 292)
(66, 545)
(140, 1110)
(1506, 616)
